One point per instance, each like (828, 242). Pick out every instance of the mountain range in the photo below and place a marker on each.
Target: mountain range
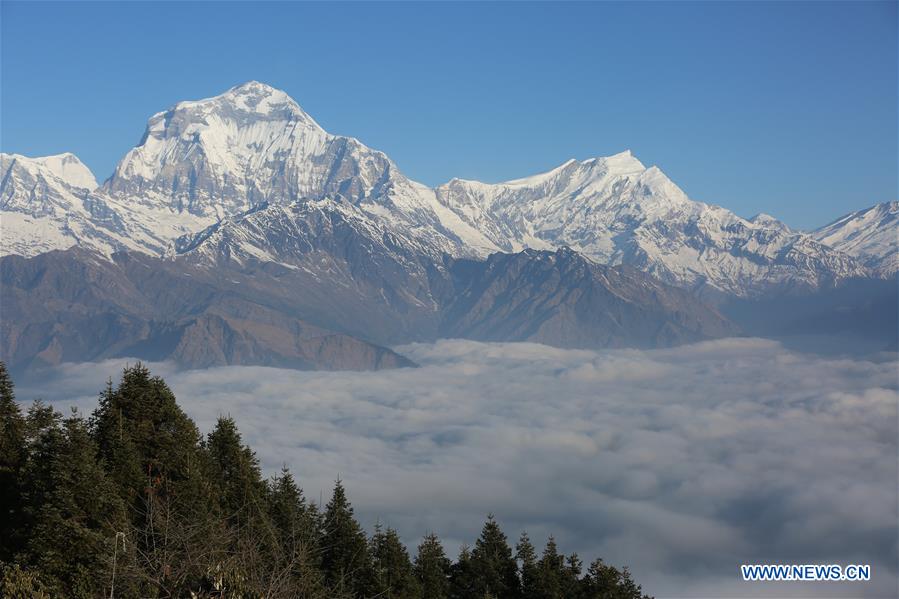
(239, 231)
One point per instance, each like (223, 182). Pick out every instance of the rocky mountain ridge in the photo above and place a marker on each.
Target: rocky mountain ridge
(203, 162)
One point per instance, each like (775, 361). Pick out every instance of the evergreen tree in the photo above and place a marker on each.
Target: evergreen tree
(12, 459)
(494, 568)
(296, 521)
(153, 454)
(151, 447)
(40, 419)
(43, 439)
(550, 572)
(392, 569)
(571, 576)
(296, 525)
(345, 557)
(235, 472)
(607, 582)
(462, 576)
(79, 515)
(526, 556)
(432, 568)
(242, 501)
(179, 517)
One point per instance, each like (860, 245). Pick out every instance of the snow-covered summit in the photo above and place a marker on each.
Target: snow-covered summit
(253, 145)
(203, 161)
(66, 167)
(46, 204)
(617, 211)
(222, 155)
(871, 234)
(70, 169)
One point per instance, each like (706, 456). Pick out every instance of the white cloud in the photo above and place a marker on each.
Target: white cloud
(681, 463)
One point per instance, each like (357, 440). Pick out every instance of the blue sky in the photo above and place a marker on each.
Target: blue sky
(785, 108)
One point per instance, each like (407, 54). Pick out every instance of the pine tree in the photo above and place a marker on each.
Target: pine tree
(432, 568)
(43, 439)
(296, 521)
(607, 582)
(392, 569)
(153, 454)
(79, 515)
(494, 568)
(151, 447)
(12, 460)
(296, 525)
(198, 520)
(242, 498)
(235, 471)
(571, 576)
(462, 576)
(345, 557)
(526, 555)
(550, 572)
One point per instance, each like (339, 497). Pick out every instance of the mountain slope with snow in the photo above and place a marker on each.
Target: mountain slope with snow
(254, 145)
(871, 235)
(46, 204)
(617, 211)
(201, 164)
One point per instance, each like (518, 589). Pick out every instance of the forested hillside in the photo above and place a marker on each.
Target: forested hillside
(134, 501)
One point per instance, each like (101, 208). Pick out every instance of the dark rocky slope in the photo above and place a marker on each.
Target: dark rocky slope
(333, 308)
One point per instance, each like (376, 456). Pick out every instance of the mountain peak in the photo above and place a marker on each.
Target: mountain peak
(66, 167)
(70, 169)
(621, 163)
(240, 105)
(254, 86)
(215, 147)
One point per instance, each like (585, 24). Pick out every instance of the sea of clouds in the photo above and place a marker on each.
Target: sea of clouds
(680, 463)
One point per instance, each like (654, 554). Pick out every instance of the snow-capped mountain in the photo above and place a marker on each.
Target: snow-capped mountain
(46, 204)
(254, 145)
(617, 211)
(203, 164)
(69, 169)
(871, 235)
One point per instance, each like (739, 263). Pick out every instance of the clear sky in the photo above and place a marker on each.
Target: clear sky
(784, 108)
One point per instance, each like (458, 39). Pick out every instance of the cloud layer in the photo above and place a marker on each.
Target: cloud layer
(680, 463)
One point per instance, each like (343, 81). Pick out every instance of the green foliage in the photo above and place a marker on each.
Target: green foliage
(432, 568)
(72, 528)
(136, 503)
(12, 459)
(494, 568)
(526, 556)
(550, 572)
(144, 437)
(391, 566)
(462, 576)
(297, 523)
(607, 582)
(345, 557)
(18, 583)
